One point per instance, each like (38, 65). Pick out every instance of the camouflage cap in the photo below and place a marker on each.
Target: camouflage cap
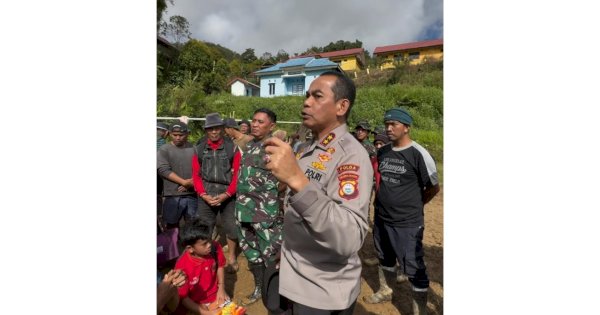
(364, 125)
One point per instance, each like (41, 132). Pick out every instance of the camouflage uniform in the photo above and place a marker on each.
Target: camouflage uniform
(257, 208)
(368, 145)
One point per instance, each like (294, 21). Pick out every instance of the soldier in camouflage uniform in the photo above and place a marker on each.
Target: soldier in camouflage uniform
(363, 128)
(257, 208)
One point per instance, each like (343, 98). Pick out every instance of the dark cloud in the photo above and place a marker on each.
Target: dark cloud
(270, 25)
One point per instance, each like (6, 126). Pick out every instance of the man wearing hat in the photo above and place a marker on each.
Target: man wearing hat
(174, 167)
(162, 131)
(407, 181)
(380, 140)
(244, 126)
(215, 166)
(232, 129)
(363, 128)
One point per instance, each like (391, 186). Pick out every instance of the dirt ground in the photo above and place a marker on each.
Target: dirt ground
(242, 283)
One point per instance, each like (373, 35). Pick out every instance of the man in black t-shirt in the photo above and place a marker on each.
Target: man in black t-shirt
(406, 181)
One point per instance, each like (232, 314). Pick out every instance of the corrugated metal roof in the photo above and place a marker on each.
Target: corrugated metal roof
(308, 62)
(407, 46)
(345, 52)
(321, 62)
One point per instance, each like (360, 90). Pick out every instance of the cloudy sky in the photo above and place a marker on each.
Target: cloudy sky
(295, 25)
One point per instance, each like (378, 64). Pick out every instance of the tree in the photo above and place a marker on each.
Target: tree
(196, 57)
(341, 45)
(312, 50)
(248, 56)
(282, 55)
(178, 28)
(161, 7)
(267, 56)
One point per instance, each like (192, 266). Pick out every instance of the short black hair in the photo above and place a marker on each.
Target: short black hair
(193, 231)
(268, 112)
(342, 88)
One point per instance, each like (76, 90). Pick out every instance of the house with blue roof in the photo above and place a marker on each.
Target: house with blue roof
(293, 77)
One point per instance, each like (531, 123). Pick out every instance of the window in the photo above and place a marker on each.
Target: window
(271, 88)
(398, 57)
(414, 55)
(298, 89)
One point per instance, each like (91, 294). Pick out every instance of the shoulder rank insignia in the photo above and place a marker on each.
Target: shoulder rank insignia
(328, 139)
(299, 154)
(318, 165)
(331, 150)
(324, 157)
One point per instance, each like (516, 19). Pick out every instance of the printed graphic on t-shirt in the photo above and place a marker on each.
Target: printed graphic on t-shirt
(391, 168)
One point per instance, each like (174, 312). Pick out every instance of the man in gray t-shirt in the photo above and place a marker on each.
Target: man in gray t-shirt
(174, 165)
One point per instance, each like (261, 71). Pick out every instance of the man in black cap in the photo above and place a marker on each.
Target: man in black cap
(162, 131)
(363, 128)
(232, 129)
(215, 167)
(244, 126)
(407, 181)
(380, 140)
(174, 167)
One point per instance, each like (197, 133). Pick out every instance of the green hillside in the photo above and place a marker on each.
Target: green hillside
(417, 88)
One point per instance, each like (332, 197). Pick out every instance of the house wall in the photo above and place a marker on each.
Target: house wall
(283, 87)
(290, 83)
(425, 53)
(347, 63)
(310, 77)
(238, 89)
(264, 85)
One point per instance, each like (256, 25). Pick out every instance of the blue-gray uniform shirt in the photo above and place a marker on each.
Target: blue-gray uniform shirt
(325, 223)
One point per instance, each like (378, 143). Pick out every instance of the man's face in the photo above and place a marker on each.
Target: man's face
(320, 110)
(228, 132)
(161, 133)
(179, 138)
(214, 133)
(395, 130)
(361, 134)
(244, 128)
(261, 126)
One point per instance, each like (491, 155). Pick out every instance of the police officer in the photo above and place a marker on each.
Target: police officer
(325, 221)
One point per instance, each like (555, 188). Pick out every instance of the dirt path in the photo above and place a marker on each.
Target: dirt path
(242, 283)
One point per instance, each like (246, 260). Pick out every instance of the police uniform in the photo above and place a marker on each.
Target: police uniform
(325, 223)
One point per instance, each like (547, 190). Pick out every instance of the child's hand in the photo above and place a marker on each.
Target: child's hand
(222, 296)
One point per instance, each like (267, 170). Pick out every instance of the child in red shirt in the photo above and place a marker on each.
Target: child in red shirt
(202, 262)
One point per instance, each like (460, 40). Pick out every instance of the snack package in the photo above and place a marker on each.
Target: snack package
(230, 308)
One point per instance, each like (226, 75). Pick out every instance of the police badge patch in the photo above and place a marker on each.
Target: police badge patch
(348, 186)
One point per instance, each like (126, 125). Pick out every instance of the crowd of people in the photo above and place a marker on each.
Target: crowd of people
(297, 210)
